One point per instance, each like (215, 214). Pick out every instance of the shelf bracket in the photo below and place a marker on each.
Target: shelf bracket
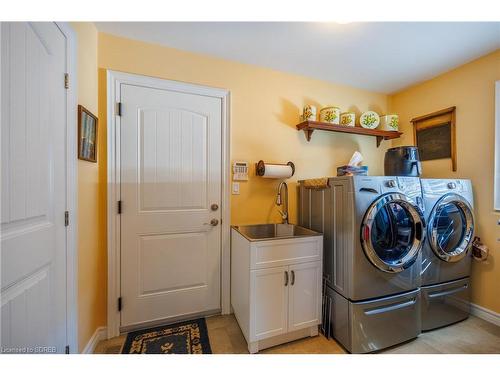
(379, 140)
(308, 132)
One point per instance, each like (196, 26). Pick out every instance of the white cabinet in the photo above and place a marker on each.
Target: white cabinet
(269, 302)
(304, 296)
(276, 288)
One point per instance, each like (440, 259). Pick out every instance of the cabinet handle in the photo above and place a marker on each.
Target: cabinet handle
(286, 278)
(293, 277)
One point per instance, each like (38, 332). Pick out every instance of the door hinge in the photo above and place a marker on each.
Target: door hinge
(66, 218)
(119, 109)
(119, 303)
(66, 80)
(67, 349)
(119, 207)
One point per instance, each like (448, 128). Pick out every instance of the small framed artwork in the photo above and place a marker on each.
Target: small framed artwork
(87, 135)
(434, 135)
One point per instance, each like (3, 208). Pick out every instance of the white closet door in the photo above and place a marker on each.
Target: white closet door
(33, 234)
(170, 160)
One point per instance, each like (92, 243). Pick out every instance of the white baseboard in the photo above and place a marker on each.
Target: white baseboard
(485, 314)
(100, 334)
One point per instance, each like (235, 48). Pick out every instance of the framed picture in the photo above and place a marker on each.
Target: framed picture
(434, 135)
(87, 135)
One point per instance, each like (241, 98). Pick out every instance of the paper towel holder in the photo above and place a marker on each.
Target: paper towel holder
(260, 167)
(480, 251)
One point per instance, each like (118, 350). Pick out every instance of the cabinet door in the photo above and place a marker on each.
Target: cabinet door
(269, 302)
(304, 296)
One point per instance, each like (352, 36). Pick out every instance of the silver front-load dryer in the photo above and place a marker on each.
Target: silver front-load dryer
(446, 254)
(373, 232)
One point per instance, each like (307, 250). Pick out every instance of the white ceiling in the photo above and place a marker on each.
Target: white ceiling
(384, 57)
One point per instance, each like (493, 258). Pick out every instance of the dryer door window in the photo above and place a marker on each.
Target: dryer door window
(451, 228)
(392, 232)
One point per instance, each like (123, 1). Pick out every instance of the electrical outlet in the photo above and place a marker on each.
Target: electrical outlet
(236, 188)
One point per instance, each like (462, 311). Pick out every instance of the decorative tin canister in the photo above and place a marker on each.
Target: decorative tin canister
(309, 113)
(369, 120)
(389, 122)
(348, 119)
(330, 114)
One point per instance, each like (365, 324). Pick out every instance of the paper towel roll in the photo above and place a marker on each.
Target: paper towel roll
(275, 170)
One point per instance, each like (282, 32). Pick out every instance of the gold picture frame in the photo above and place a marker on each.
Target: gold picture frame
(87, 135)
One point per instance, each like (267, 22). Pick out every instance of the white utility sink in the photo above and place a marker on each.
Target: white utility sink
(276, 272)
(259, 232)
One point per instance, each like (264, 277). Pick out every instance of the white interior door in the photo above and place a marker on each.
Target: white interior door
(170, 171)
(33, 232)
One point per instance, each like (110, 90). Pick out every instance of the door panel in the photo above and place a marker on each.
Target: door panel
(160, 269)
(269, 301)
(451, 228)
(33, 258)
(170, 149)
(173, 170)
(304, 291)
(392, 232)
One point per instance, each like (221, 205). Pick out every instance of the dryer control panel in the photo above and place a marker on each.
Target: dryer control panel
(409, 186)
(406, 185)
(412, 188)
(443, 186)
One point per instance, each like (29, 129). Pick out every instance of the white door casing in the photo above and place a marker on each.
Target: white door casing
(38, 303)
(115, 81)
(184, 213)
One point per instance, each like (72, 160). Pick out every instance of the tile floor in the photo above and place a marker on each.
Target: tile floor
(473, 335)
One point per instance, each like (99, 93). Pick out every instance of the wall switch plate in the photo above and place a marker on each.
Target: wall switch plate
(236, 188)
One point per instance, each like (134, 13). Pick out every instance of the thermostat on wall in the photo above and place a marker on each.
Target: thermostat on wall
(240, 171)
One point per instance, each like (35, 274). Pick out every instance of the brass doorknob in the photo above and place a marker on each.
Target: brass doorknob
(214, 222)
(214, 207)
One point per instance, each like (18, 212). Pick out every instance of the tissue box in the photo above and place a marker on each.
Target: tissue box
(348, 170)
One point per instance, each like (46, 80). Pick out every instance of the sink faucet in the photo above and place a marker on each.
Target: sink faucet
(279, 201)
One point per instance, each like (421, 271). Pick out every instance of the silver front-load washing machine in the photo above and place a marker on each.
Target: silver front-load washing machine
(373, 231)
(446, 254)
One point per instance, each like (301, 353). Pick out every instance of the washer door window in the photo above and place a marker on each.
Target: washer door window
(392, 232)
(451, 228)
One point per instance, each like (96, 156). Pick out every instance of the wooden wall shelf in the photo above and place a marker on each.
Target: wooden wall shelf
(310, 126)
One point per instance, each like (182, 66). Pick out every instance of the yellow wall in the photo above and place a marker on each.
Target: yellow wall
(471, 88)
(264, 111)
(91, 251)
